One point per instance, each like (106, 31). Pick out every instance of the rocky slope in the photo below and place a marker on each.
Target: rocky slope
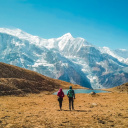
(121, 88)
(15, 81)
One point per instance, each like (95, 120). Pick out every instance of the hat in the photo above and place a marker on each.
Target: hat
(70, 87)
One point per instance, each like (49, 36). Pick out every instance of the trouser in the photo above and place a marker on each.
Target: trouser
(71, 103)
(60, 102)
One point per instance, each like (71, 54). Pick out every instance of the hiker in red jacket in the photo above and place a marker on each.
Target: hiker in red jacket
(60, 95)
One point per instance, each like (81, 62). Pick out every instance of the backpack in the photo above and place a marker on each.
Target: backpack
(70, 93)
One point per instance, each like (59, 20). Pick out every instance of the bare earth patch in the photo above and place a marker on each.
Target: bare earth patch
(104, 110)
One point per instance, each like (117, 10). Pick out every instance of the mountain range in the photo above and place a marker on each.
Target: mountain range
(65, 58)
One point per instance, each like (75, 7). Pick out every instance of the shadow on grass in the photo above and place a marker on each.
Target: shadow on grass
(75, 110)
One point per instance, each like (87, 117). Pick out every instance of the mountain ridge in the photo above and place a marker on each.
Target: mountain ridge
(66, 58)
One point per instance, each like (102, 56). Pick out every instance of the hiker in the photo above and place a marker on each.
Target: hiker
(60, 95)
(71, 95)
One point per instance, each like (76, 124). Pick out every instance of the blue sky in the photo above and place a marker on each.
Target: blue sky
(100, 22)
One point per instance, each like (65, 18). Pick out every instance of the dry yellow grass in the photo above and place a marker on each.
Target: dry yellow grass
(104, 110)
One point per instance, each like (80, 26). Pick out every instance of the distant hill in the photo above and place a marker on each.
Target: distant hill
(121, 88)
(16, 81)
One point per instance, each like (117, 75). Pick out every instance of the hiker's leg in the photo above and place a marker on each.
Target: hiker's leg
(69, 103)
(61, 103)
(72, 103)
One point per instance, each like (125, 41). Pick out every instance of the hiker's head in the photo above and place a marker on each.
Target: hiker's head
(60, 89)
(70, 87)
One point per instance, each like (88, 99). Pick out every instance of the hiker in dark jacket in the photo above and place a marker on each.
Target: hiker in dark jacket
(60, 95)
(71, 95)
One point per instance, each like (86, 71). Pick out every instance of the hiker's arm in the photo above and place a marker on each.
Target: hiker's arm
(67, 93)
(74, 94)
(63, 94)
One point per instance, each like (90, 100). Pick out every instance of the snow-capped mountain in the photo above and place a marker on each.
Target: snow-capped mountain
(66, 58)
(121, 52)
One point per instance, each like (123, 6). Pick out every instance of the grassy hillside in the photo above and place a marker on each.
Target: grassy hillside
(15, 81)
(121, 88)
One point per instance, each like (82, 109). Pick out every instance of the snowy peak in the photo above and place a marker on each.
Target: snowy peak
(122, 52)
(107, 50)
(67, 35)
(14, 32)
(65, 43)
(20, 34)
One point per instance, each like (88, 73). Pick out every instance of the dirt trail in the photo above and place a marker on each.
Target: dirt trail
(105, 110)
